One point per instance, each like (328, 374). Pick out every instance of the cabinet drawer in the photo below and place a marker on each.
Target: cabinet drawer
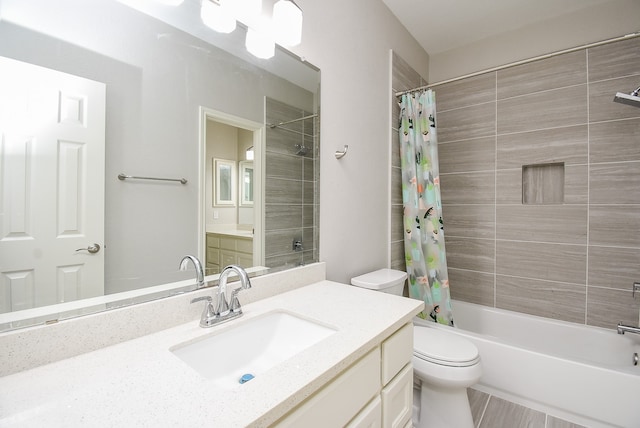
(213, 241)
(369, 417)
(213, 255)
(341, 399)
(227, 258)
(397, 351)
(397, 399)
(228, 244)
(244, 246)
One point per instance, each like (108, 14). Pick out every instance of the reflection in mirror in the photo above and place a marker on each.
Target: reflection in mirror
(246, 183)
(158, 71)
(224, 182)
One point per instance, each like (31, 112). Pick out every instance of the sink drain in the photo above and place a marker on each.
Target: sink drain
(246, 378)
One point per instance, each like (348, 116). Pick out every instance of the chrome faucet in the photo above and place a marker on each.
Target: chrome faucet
(222, 311)
(197, 265)
(622, 329)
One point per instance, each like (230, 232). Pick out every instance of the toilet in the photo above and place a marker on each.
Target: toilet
(444, 364)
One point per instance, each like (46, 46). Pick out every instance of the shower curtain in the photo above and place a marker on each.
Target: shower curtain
(423, 228)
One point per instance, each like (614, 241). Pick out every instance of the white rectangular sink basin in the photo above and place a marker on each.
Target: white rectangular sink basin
(251, 347)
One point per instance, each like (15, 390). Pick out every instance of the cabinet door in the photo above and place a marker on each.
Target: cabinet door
(397, 399)
(227, 258)
(397, 351)
(369, 417)
(337, 403)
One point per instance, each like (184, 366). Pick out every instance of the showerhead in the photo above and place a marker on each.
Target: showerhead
(632, 99)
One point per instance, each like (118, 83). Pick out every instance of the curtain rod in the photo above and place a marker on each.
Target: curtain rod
(524, 61)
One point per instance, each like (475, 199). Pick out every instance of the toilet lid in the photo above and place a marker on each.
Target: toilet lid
(444, 348)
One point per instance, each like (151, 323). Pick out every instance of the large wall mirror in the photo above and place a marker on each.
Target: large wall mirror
(111, 116)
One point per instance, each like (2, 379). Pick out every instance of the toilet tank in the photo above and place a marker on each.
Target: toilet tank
(386, 280)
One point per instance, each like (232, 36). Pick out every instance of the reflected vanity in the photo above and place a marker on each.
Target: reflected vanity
(161, 68)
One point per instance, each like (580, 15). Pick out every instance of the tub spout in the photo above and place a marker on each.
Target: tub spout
(622, 329)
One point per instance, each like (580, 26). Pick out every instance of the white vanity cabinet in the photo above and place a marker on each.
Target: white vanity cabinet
(376, 391)
(224, 250)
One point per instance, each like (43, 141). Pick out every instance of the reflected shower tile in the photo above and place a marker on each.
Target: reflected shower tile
(553, 422)
(283, 166)
(281, 191)
(283, 216)
(403, 75)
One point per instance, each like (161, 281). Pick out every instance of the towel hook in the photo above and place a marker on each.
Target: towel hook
(340, 154)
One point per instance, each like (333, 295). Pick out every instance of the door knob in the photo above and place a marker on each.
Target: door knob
(92, 249)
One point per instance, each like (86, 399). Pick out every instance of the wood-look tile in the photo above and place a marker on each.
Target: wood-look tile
(614, 60)
(601, 94)
(279, 140)
(470, 286)
(404, 77)
(548, 299)
(283, 166)
(468, 188)
(502, 413)
(397, 256)
(276, 112)
(614, 267)
(615, 183)
(542, 110)
(607, 307)
(470, 253)
(543, 184)
(565, 224)
(279, 242)
(478, 402)
(614, 141)
(309, 193)
(396, 186)
(553, 262)
(467, 155)
(614, 225)
(553, 422)
(466, 92)
(395, 149)
(282, 216)
(309, 215)
(566, 144)
(549, 73)
(282, 191)
(473, 221)
(397, 229)
(309, 172)
(509, 185)
(466, 123)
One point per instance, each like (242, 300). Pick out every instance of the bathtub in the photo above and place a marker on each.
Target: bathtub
(578, 373)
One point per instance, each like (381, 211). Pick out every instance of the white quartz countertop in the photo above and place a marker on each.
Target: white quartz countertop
(141, 383)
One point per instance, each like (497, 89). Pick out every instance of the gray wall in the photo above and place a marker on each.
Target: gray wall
(573, 261)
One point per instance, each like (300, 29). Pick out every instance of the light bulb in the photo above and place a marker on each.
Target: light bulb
(216, 16)
(287, 23)
(260, 44)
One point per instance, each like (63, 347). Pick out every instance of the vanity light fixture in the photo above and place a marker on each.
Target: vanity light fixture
(260, 42)
(216, 14)
(171, 2)
(287, 23)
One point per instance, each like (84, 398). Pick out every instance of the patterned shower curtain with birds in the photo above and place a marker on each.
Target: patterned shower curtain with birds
(423, 227)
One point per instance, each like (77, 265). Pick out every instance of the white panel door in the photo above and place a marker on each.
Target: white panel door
(52, 136)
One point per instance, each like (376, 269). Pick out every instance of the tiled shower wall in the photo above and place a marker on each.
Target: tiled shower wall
(575, 260)
(291, 208)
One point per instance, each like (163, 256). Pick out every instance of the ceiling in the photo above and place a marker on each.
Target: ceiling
(442, 25)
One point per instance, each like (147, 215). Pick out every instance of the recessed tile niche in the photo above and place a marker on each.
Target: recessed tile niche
(543, 184)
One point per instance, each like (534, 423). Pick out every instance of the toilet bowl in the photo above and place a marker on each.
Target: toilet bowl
(444, 364)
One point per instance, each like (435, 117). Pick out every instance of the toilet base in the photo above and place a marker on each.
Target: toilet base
(441, 408)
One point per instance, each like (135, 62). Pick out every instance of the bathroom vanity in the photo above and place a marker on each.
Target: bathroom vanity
(359, 374)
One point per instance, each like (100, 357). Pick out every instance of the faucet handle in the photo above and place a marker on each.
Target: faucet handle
(236, 308)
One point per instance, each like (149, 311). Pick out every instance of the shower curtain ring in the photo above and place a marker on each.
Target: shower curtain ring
(340, 154)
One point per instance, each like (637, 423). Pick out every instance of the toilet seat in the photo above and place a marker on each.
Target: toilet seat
(443, 348)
